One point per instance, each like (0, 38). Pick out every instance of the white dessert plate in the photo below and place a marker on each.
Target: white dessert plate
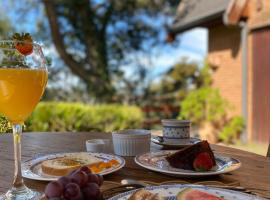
(174, 143)
(156, 161)
(31, 169)
(169, 192)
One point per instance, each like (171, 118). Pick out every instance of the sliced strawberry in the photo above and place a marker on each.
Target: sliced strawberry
(203, 162)
(24, 43)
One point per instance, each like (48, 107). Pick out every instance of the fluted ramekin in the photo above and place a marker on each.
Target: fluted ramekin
(131, 142)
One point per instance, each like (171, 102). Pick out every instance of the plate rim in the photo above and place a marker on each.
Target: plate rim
(122, 195)
(24, 165)
(172, 145)
(182, 174)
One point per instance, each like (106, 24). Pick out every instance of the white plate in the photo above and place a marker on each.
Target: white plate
(32, 168)
(176, 143)
(170, 192)
(156, 161)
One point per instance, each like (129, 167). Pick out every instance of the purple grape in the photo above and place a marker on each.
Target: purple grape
(100, 197)
(54, 189)
(91, 191)
(80, 178)
(72, 172)
(93, 178)
(100, 179)
(85, 169)
(72, 192)
(55, 198)
(64, 180)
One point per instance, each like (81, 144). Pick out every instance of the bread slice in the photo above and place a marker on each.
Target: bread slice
(144, 195)
(64, 165)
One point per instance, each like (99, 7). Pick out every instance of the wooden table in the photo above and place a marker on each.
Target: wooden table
(255, 170)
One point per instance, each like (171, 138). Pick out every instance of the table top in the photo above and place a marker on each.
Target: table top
(255, 170)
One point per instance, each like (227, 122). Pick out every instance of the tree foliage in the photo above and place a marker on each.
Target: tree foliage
(230, 133)
(94, 37)
(204, 104)
(5, 26)
(181, 78)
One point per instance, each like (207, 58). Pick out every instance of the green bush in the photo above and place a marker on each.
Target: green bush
(53, 116)
(204, 104)
(4, 125)
(232, 130)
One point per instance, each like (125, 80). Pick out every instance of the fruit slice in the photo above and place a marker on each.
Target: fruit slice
(193, 194)
(203, 162)
(24, 43)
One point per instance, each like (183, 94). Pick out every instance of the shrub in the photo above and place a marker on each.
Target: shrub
(4, 125)
(53, 116)
(206, 105)
(232, 130)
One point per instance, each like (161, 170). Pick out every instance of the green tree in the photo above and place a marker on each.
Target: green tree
(5, 26)
(94, 37)
(180, 79)
(204, 104)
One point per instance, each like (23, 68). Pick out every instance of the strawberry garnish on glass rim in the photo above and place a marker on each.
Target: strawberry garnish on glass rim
(23, 43)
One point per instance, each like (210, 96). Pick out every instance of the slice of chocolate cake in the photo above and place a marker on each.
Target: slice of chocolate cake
(185, 157)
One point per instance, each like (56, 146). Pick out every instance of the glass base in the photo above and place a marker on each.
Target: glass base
(23, 193)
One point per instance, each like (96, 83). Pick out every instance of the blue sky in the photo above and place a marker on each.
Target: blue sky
(192, 45)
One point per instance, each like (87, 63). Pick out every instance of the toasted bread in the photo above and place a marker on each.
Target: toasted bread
(64, 165)
(144, 195)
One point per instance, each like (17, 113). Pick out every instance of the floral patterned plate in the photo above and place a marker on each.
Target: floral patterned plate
(174, 143)
(156, 161)
(169, 192)
(32, 168)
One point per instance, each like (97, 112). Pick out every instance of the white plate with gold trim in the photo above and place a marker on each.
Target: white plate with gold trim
(156, 161)
(31, 169)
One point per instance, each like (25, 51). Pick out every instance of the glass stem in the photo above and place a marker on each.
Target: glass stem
(17, 133)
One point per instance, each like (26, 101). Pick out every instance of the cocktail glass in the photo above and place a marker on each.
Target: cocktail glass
(23, 79)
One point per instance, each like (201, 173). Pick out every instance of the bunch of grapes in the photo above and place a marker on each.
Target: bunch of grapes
(80, 184)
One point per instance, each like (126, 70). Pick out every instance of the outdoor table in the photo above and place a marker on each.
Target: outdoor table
(254, 172)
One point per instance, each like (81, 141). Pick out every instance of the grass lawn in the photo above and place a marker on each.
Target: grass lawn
(259, 148)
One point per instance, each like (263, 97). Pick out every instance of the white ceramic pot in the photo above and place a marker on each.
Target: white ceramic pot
(131, 142)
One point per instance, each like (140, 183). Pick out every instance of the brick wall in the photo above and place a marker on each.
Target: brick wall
(225, 58)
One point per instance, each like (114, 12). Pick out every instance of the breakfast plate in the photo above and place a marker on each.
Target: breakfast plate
(169, 192)
(176, 143)
(156, 161)
(31, 169)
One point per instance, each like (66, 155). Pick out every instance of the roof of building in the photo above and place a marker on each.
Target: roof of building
(191, 13)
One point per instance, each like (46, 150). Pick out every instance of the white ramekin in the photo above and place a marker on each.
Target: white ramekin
(98, 145)
(131, 142)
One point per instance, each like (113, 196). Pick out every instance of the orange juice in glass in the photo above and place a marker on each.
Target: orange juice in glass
(23, 78)
(20, 91)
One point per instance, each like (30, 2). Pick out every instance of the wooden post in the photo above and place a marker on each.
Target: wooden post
(268, 152)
